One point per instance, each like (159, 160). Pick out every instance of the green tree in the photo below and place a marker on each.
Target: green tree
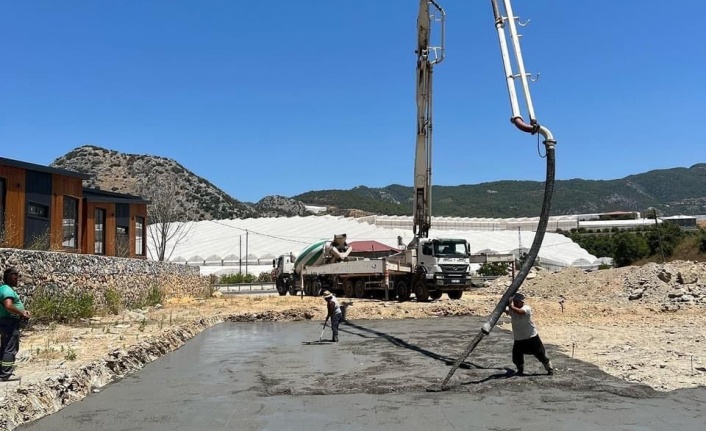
(629, 248)
(490, 269)
(669, 234)
(597, 245)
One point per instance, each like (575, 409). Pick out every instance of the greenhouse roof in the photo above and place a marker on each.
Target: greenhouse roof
(217, 242)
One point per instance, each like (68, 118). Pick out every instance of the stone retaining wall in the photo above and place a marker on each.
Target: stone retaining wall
(71, 273)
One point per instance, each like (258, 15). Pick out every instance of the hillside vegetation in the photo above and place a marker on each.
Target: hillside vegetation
(671, 191)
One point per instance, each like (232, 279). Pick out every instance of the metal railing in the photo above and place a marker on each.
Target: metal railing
(246, 288)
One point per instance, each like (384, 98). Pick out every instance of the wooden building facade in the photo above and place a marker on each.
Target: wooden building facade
(45, 208)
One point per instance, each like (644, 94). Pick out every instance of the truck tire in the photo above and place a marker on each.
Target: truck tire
(435, 294)
(403, 291)
(281, 288)
(455, 294)
(292, 288)
(307, 288)
(359, 289)
(348, 289)
(421, 291)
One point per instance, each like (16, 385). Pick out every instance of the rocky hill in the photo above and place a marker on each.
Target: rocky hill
(671, 191)
(135, 173)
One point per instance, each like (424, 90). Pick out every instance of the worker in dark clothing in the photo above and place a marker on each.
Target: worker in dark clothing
(527, 341)
(334, 313)
(11, 312)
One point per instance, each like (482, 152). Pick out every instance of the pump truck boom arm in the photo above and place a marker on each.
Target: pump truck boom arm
(427, 57)
(532, 127)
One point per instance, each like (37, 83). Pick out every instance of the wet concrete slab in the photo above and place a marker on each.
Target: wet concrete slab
(270, 376)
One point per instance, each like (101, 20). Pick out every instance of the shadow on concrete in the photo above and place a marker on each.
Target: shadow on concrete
(509, 372)
(402, 343)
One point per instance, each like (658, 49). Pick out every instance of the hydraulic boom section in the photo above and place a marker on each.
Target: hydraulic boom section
(532, 127)
(427, 57)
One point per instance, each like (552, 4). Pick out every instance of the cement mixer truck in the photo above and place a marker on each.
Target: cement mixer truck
(432, 268)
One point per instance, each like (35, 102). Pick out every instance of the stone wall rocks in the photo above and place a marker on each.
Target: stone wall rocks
(70, 272)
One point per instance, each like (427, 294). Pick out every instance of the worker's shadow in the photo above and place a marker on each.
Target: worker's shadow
(509, 372)
(402, 343)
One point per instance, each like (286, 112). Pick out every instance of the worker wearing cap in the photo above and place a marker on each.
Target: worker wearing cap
(527, 341)
(11, 312)
(334, 313)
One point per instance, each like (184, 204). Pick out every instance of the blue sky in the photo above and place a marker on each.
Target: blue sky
(283, 97)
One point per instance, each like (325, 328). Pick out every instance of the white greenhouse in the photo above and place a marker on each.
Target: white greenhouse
(249, 245)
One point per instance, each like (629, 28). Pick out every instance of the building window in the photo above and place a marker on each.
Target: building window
(37, 210)
(99, 231)
(70, 223)
(122, 241)
(139, 236)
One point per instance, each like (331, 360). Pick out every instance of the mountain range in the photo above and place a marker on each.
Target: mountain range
(671, 191)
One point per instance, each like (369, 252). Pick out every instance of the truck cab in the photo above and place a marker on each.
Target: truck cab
(283, 273)
(443, 266)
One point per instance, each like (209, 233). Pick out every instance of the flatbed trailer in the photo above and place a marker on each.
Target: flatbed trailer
(357, 278)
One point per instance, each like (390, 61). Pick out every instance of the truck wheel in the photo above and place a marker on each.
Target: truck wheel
(403, 291)
(435, 294)
(455, 294)
(348, 289)
(293, 289)
(281, 289)
(307, 288)
(421, 291)
(359, 289)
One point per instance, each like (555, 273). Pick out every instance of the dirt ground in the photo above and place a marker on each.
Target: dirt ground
(641, 324)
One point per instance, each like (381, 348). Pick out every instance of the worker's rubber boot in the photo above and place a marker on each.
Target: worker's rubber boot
(550, 369)
(334, 339)
(520, 371)
(10, 379)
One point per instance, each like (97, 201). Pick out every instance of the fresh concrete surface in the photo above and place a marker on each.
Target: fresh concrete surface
(262, 376)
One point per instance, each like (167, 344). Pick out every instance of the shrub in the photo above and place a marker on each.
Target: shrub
(493, 269)
(151, 298)
(113, 301)
(48, 304)
(264, 277)
(237, 278)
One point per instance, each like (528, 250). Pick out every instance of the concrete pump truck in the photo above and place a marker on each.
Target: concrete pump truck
(428, 268)
(440, 264)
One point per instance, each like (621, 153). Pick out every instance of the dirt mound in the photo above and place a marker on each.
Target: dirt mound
(671, 285)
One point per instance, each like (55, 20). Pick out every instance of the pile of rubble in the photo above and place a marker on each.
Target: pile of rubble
(671, 285)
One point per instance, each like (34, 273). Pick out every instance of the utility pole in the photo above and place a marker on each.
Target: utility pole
(246, 251)
(659, 234)
(240, 254)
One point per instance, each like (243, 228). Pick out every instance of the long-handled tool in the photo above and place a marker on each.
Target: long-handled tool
(320, 336)
(323, 329)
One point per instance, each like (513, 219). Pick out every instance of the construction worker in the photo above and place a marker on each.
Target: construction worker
(334, 313)
(527, 341)
(11, 312)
